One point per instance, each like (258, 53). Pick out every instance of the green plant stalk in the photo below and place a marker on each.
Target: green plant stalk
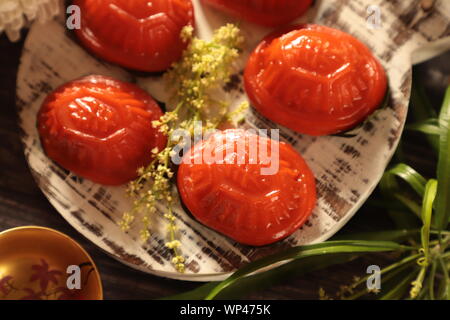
(431, 278)
(388, 235)
(444, 288)
(426, 214)
(418, 283)
(392, 267)
(390, 188)
(414, 179)
(443, 172)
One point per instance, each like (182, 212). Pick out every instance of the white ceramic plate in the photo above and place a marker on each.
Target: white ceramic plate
(347, 169)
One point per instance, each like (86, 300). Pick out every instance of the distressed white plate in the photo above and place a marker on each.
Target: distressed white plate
(347, 169)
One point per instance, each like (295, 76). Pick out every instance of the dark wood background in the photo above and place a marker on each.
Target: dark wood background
(22, 203)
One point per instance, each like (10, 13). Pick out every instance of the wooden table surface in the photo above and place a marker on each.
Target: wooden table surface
(22, 203)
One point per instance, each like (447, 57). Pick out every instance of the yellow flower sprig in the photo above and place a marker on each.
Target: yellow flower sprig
(204, 68)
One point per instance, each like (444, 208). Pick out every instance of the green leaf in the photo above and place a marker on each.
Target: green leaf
(427, 211)
(331, 247)
(443, 173)
(429, 127)
(431, 278)
(390, 235)
(424, 292)
(409, 203)
(291, 269)
(416, 181)
(392, 190)
(398, 291)
(389, 275)
(260, 281)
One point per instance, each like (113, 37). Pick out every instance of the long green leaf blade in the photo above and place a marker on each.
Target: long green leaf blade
(389, 235)
(308, 251)
(429, 127)
(262, 280)
(443, 173)
(416, 181)
(427, 210)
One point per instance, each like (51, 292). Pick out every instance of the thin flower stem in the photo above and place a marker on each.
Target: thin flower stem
(400, 264)
(418, 283)
(431, 278)
(440, 232)
(445, 282)
(391, 267)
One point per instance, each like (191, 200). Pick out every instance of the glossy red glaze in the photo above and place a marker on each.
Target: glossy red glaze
(137, 34)
(235, 199)
(270, 13)
(314, 80)
(100, 129)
